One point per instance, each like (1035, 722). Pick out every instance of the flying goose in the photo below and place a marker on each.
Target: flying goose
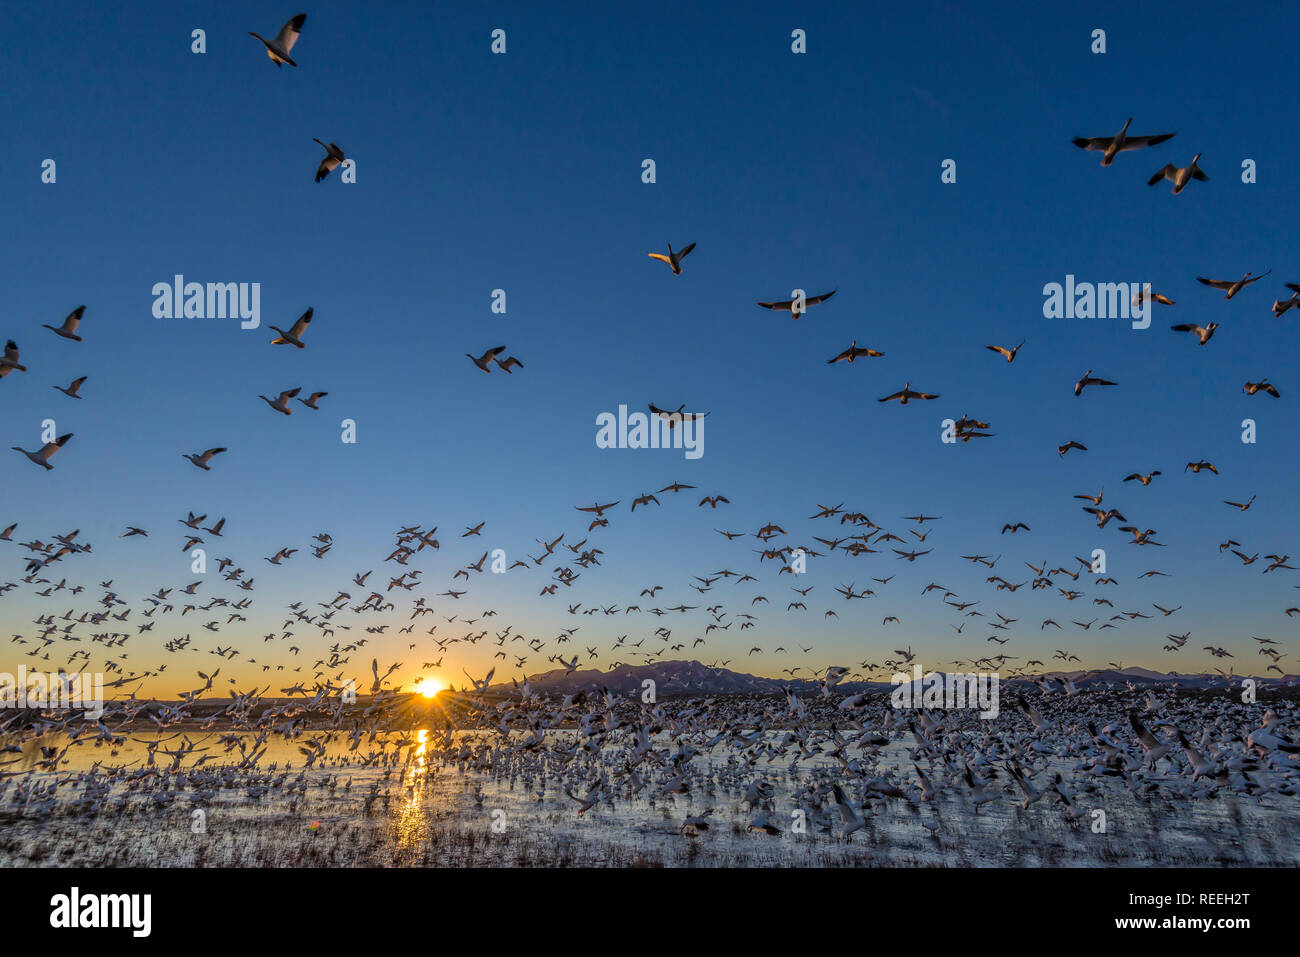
(1121, 142)
(1062, 449)
(510, 361)
(1087, 379)
(1197, 466)
(484, 361)
(673, 418)
(279, 48)
(1179, 176)
(1146, 295)
(853, 352)
(294, 336)
(281, 402)
(1233, 286)
(69, 328)
(1144, 479)
(1250, 388)
(673, 259)
(1204, 333)
(46, 452)
(1008, 354)
(201, 460)
(905, 395)
(1282, 305)
(9, 361)
(333, 158)
(313, 399)
(792, 305)
(73, 389)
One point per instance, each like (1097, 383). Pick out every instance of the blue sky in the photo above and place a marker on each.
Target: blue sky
(522, 172)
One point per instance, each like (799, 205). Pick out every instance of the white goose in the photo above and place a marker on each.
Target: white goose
(294, 336)
(1232, 286)
(73, 389)
(849, 817)
(281, 402)
(9, 361)
(792, 305)
(311, 401)
(1121, 142)
(46, 452)
(1282, 305)
(673, 259)
(484, 361)
(279, 48)
(201, 460)
(333, 159)
(69, 328)
(1179, 176)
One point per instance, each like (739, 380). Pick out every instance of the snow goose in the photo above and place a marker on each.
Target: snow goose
(1008, 354)
(46, 452)
(202, 459)
(1282, 305)
(853, 352)
(281, 402)
(1179, 176)
(333, 158)
(1121, 142)
(905, 395)
(1263, 385)
(294, 336)
(69, 328)
(279, 48)
(672, 418)
(510, 361)
(673, 259)
(849, 817)
(1144, 479)
(9, 361)
(792, 305)
(1233, 286)
(1204, 333)
(311, 401)
(72, 390)
(484, 361)
(1088, 379)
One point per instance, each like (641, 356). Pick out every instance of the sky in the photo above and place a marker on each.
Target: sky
(523, 172)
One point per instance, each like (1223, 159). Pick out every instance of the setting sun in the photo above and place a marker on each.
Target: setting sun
(428, 687)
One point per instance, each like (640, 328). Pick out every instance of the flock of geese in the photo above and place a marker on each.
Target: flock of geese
(847, 754)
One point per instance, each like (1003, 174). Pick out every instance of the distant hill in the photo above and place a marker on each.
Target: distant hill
(693, 677)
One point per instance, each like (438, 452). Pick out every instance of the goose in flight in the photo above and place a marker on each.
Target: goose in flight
(853, 352)
(510, 361)
(1008, 354)
(1179, 176)
(1203, 333)
(1062, 449)
(1233, 286)
(294, 336)
(46, 452)
(792, 305)
(1197, 466)
(674, 417)
(333, 158)
(281, 402)
(905, 395)
(1121, 142)
(9, 361)
(69, 328)
(1146, 295)
(1282, 305)
(201, 460)
(72, 390)
(1263, 385)
(311, 401)
(279, 48)
(484, 361)
(1088, 379)
(1013, 528)
(1241, 505)
(673, 259)
(1144, 479)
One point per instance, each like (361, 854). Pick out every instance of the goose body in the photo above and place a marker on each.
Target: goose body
(69, 328)
(279, 48)
(46, 452)
(281, 402)
(673, 259)
(1180, 176)
(1121, 142)
(294, 336)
